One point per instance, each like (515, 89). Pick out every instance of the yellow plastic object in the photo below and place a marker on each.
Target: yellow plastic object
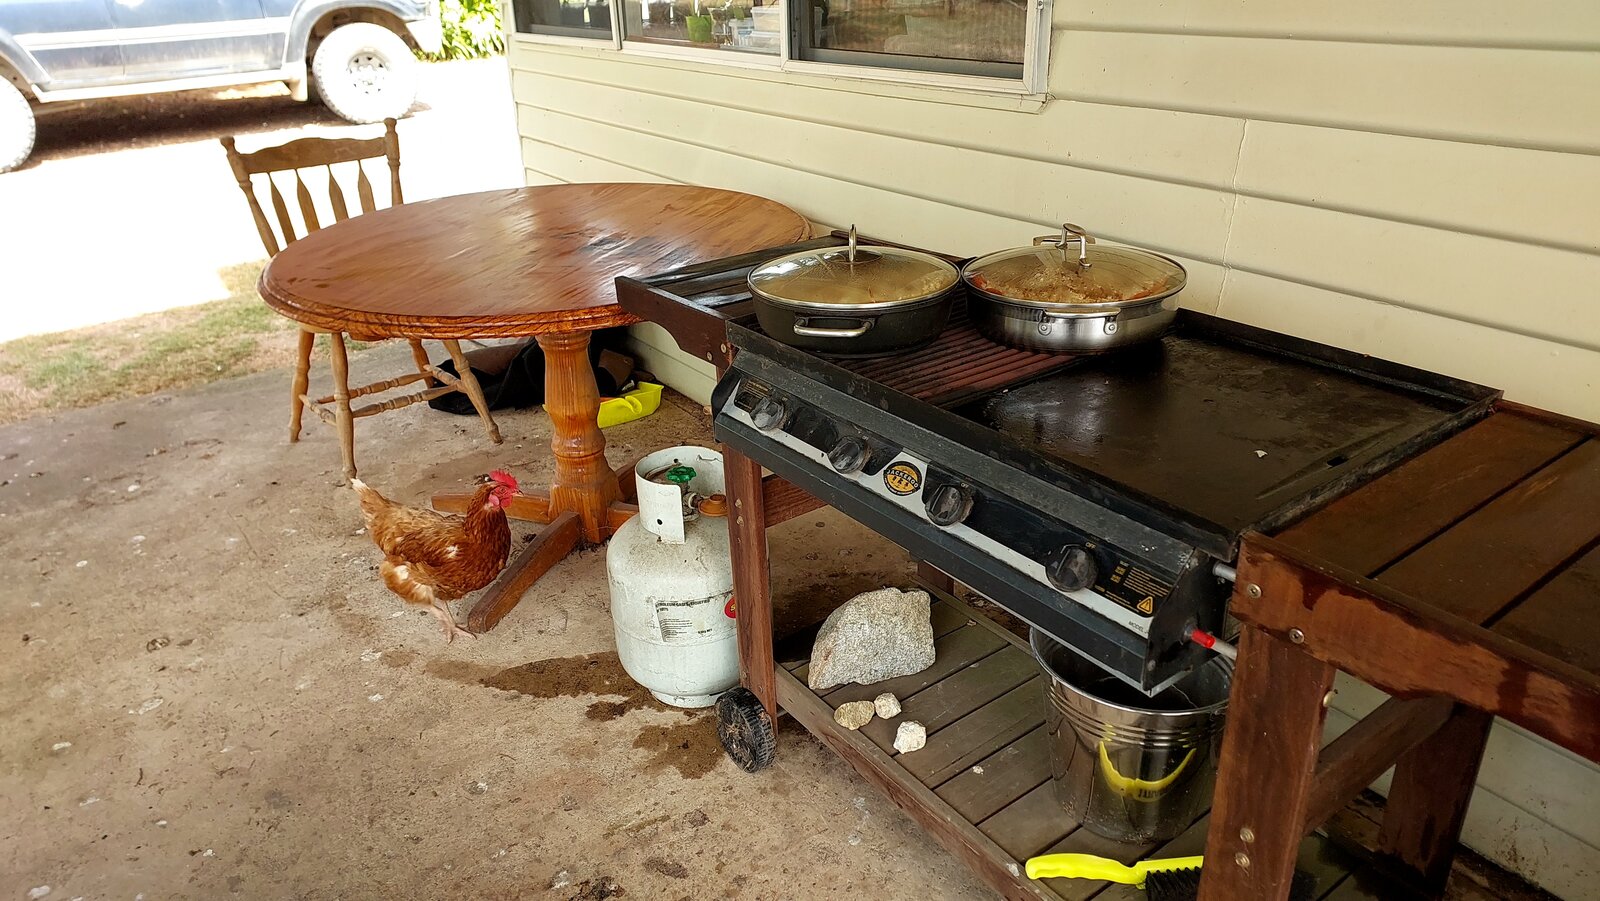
(1088, 866)
(1139, 789)
(636, 404)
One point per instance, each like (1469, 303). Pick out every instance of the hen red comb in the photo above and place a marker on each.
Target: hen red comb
(504, 478)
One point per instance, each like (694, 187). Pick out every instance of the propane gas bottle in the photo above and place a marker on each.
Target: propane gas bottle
(671, 581)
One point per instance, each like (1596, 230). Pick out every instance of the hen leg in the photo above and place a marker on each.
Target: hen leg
(448, 620)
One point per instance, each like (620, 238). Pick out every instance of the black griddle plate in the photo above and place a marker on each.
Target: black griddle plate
(1224, 432)
(1235, 431)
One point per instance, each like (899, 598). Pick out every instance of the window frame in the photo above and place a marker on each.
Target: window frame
(1033, 83)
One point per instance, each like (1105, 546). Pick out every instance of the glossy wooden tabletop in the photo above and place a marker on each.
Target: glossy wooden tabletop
(518, 262)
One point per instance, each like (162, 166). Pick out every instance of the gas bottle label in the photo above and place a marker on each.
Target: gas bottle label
(680, 621)
(731, 609)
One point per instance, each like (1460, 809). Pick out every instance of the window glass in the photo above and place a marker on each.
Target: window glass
(975, 37)
(745, 26)
(572, 18)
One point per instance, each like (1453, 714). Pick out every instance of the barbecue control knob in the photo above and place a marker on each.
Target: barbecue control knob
(848, 456)
(1072, 569)
(949, 504)
(768, 413)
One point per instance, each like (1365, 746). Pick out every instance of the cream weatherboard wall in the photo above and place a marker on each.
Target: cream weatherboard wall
(1415, 180)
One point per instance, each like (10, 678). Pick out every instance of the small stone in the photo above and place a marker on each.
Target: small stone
(854, 715)
(61, 746)
(477, 788)
(910, 737)
(887, 705)
(375, 698)
(157, 643)
(561, 880)
(38, 891)
(873, 636)
(82, 563)
(148, 706)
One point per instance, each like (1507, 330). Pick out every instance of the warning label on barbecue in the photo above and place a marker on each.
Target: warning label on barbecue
(1134, 588)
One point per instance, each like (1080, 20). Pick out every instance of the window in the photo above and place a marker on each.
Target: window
(990, 45)
(966, 37)
(564, 18)
(742, 26)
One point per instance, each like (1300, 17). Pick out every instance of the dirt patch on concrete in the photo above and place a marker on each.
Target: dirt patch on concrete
(690, 748)
(561, 677)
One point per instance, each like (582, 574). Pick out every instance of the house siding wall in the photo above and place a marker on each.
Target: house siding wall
(1419, 181)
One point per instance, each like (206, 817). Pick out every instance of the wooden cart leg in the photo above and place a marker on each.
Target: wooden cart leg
(1269, 756)
(345, 423)
(752, 588)
(1428, 798)
(302, 381)
(935, 578)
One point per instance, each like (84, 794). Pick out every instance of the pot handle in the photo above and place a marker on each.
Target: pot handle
(1070, 234)
(811, 331)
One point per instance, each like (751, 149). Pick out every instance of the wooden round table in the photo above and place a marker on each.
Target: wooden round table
(538, 262)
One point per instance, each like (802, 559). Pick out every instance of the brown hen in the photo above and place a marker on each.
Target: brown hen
(432, 558)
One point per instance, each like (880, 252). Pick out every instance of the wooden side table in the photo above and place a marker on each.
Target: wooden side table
(540, 262)
(1465, 584)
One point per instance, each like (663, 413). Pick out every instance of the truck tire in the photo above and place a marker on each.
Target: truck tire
(365, 73)
(16, 126)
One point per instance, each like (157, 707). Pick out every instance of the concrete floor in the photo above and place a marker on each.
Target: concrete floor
(210, 693)
(142, 184)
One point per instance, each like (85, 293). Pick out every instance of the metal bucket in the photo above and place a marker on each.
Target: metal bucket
(1130, 767)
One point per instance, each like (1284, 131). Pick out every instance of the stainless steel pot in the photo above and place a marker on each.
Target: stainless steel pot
(1068, 294)
(855, 301)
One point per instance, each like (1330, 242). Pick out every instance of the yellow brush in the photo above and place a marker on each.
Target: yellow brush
(1088, 866)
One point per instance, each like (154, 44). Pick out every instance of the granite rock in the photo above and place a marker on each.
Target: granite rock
(911, 736)
(873, 636)
(886, 705)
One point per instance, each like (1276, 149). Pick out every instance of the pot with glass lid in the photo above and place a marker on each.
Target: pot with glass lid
(1068, 294)
(855, 301)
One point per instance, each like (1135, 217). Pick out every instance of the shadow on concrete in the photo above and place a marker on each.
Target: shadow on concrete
(74, 129)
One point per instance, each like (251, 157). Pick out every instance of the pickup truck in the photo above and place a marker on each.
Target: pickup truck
(356, 54)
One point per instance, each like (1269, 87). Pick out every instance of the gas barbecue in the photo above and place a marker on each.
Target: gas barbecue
(1099, 498)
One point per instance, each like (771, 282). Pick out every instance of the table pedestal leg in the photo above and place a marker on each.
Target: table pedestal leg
(584, 484)
(584, 503)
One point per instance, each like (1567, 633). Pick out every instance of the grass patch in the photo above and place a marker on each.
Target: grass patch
(163, 351)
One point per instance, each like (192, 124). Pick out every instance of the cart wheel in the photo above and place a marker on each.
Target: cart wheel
(745, 729)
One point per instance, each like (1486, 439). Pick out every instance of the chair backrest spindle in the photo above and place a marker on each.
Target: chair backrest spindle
(305, 154)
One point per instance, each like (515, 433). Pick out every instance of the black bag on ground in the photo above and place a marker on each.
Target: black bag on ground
(512, 375)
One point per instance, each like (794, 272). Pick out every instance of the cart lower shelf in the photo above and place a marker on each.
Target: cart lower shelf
(982, 784)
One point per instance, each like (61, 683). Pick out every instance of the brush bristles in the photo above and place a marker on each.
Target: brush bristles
(1184, 885)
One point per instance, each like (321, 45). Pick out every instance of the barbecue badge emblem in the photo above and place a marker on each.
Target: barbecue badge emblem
(902, 478)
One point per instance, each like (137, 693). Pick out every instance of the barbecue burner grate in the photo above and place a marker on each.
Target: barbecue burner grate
(960, 365)
(696, 304)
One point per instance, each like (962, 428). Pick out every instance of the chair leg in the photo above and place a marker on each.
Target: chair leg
(420, 355)
(469, 383)
(302, 381)
(341, 403)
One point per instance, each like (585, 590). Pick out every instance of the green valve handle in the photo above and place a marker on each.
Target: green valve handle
(681, 475)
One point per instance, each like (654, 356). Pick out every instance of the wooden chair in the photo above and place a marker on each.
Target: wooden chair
(303, 155)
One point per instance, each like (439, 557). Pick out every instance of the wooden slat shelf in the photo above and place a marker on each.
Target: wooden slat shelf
(982, 784)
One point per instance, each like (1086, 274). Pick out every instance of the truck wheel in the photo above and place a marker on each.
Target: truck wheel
(16, 126)
(365, 73)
